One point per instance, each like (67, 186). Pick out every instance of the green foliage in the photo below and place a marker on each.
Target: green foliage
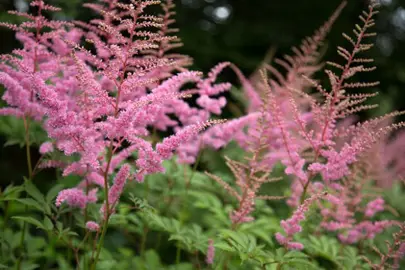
(166, 223)
(13, 129)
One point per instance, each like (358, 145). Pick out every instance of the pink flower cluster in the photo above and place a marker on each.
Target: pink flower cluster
(365, 230)
(313, 135)
(76, 197)
(292, 225)
(92, 226)
(374, 207)
(102, 107)
(210, 252)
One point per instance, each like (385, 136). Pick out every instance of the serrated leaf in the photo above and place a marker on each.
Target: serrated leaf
(236, 237)
(224, 246)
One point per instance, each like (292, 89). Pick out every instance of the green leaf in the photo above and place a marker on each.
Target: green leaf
(52, 193)
(32, 190)
(152, 259)
(225, 246)
(48, 224)
(11, 192)
(30, 220)
(29, 266)
(32, 203)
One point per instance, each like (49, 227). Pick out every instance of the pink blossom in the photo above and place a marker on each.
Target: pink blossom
(246, 207)
(292, 225)
(399, 255)
(46, 147)
(337, 164)
(210, 252)
(295, 246)
(92, 226)
(116, 189)
(75, 197)
(165, 149)
(210, 104)
(374, 207)
(365, 230)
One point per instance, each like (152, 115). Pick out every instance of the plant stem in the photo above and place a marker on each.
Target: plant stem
(143, 241)
(100, 244)
(29, 164)
(178, 253)
(197, 260)
(188, 184)
(107, 207)
(27, 146)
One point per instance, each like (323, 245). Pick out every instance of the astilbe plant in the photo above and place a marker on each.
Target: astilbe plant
(303, 133)
(100, 107)
(105, 90)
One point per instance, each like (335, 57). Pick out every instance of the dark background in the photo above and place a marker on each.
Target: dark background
(243, 32)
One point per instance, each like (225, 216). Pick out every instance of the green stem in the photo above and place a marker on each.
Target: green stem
(100, 244)
(304, 193)
(107, 208)
(197, 162)
(178, 253)
(146, 228)
(188, 185)
(143, 241)
(28, 156)
(27, 146)
(198, 264)
(24, 228)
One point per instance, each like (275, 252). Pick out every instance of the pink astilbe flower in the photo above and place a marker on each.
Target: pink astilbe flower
(399, 255)
(92, 226)
(374, 207)
(46, 147)
(116, 189)
(220, 135)
(337, 165)
(246, 206)
(103, 111)
(338, 216)
(284, 142)
(210, 252)
(75, 197)
(165, 149)
(365, 230)
(339, 213)
(292, 225)
(23, 72)
(211, 103)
